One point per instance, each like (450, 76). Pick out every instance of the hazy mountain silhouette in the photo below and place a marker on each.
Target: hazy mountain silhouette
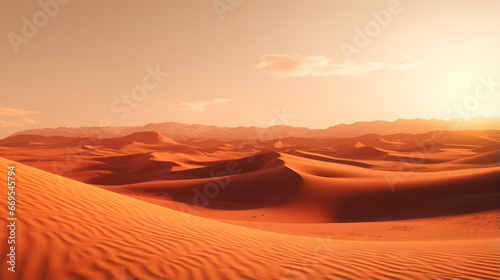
(175, 130)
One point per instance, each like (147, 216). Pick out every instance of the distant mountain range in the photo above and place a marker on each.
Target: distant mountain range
(175, 130)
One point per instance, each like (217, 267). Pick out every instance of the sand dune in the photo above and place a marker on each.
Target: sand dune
(361, 152)
(84, 232)
(324, 158)
(492, 157)
(20, 140)
(264, 181)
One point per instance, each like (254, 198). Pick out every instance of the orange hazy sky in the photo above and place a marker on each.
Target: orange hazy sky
(231, 63)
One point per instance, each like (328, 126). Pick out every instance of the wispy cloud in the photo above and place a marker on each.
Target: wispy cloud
(15, 112)
(321, 66)
(196, 106)
(29, 121)
(10, 124)
(404, 63)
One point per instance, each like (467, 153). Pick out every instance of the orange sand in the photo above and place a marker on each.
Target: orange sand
(371, 207)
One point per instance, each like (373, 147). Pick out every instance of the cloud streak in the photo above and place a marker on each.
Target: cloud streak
(199, 106)
(15, 112)
(29, 121)
(10, 124)
(321, 66)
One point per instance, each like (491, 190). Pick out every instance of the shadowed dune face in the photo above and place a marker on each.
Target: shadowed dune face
(363, 152)
(328, 159)
(453, 193)
(248, 190)
(252, 182)
(127, 169)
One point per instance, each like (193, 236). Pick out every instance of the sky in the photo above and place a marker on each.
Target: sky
(245, 63)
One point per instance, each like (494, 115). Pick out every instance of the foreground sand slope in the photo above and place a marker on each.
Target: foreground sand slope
(71, 230)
